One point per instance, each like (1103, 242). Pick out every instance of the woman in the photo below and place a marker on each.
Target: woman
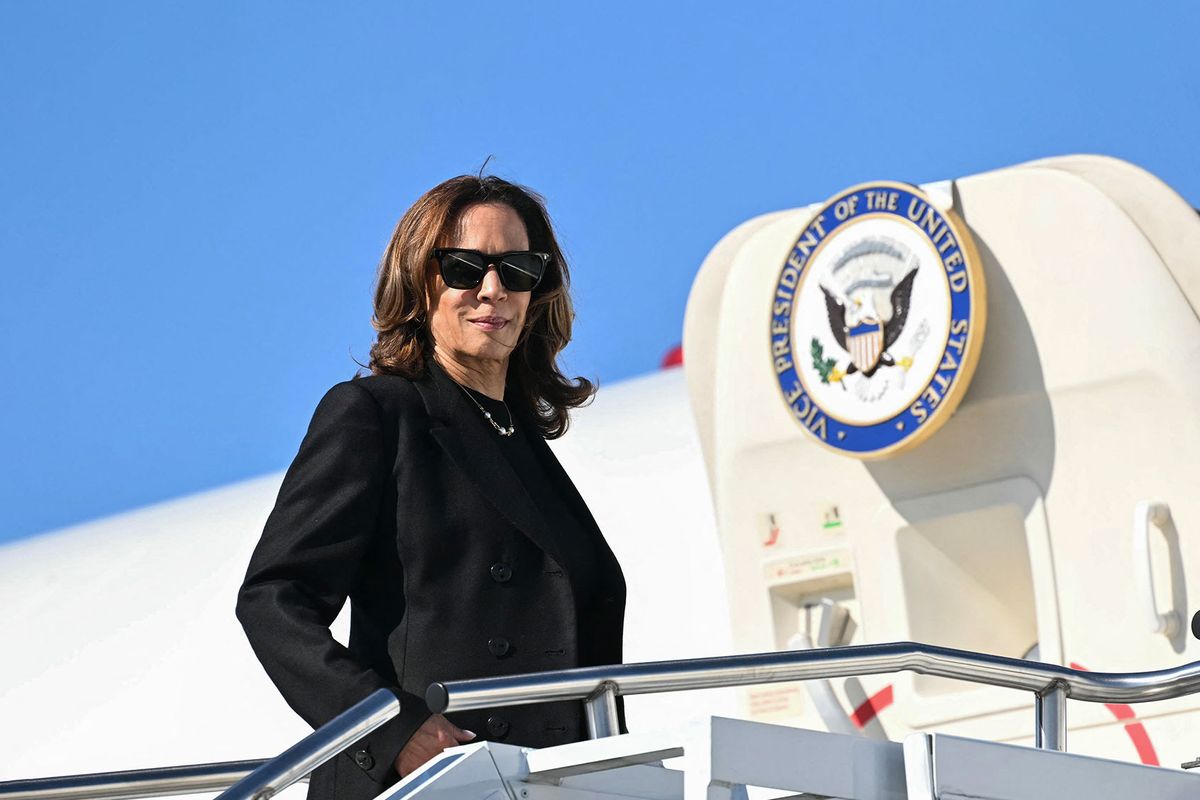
(425, 493)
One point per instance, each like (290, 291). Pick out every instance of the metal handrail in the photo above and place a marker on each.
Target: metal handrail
(315, 749)
(133, 783)
(1050, 683)
(798, 665)
(251, 780)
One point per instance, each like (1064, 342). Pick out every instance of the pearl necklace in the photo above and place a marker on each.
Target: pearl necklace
(509, 431)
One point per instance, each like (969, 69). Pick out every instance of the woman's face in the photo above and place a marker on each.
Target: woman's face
(473, 326)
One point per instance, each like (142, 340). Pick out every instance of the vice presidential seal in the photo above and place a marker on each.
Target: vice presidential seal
(877, 320)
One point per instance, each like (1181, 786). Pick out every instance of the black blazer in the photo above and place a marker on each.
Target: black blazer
(398, 501)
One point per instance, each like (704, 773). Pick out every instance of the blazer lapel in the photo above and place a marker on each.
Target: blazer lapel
(476, 451)
(576, 502)
(565, 485)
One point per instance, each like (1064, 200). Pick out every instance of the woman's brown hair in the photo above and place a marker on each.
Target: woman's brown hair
(402, 297)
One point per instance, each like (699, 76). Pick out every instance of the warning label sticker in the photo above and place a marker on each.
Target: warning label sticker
(809, 565)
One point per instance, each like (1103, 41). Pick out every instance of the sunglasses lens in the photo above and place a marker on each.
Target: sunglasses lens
(522, 271)
(462, 270)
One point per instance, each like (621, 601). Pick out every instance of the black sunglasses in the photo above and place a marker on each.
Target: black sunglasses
(520, 270)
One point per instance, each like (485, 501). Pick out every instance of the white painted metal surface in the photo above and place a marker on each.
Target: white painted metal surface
(734, 759)
(941, 767)
(802, 761)
(616, 768)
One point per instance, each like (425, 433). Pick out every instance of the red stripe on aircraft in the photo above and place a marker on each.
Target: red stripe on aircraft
(872, 706)
(1135, 730)
(1141, 741)
(673, 358)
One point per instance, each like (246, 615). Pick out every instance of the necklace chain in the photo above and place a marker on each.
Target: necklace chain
(509, 431)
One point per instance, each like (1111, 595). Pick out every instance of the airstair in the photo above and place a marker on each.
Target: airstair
(717, 758)
(790, 762)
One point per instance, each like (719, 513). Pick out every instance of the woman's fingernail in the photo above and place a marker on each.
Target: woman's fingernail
(469, 733)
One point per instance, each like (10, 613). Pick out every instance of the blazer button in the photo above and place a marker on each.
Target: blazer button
(501, 572)
(364, 759)
(498, 646)
(497, 727)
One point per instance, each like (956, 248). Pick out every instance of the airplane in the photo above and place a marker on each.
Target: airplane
(1003, 465)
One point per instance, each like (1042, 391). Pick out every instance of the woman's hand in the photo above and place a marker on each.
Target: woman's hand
(435, 735)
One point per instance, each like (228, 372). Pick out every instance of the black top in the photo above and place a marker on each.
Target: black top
(575, 549)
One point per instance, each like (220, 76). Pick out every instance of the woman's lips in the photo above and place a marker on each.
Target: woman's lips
(489, 323)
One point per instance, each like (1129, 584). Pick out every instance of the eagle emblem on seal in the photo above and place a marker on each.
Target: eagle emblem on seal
(867, 299)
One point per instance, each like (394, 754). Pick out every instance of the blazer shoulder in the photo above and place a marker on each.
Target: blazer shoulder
(395, 395)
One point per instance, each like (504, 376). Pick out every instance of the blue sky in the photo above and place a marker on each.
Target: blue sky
(195, 195)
